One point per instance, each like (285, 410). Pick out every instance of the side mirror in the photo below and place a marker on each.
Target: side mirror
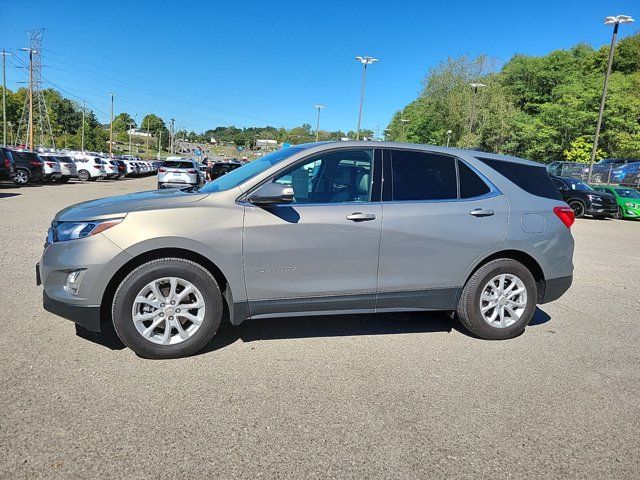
(272, 194)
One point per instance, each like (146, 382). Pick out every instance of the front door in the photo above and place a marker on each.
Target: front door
(439, 217)
(321, 251)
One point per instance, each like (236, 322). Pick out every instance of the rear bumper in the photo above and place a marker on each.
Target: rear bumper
(87, 316)
(555, 288)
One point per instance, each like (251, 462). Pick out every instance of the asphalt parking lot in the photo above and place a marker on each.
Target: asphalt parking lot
(384, 396)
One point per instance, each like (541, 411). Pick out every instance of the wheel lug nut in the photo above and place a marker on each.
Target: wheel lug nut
(162, 305)
(170, 318)
(173, 302)
(161, 314)
(177, 310)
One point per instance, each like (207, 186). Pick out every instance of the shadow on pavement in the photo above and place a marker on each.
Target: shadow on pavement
(318, 326)
(7, 194)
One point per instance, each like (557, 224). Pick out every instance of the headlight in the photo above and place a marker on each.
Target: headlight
(63, 231)
(632, 205)
(593, 198)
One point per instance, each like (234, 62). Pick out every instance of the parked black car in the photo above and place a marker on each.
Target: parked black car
(584, 200)
(7, 166)
(29, 167)
(219, 169)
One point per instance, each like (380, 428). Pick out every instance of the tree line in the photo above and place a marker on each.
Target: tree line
(542, 108)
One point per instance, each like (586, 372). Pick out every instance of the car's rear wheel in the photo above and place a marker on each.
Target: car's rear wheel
(578, 208)
(498, 300)
(167, 308)
(21, 177)
(83, 175)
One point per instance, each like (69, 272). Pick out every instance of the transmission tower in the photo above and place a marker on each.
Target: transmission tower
(35, 113)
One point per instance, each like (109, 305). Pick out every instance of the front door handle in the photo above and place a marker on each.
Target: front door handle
(481, 212)
(361, 217)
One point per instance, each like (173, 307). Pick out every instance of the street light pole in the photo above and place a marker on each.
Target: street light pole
(475, 87)
(404, 122)
(366, 60)
(319, 107)
(448, 137)
(615, 21)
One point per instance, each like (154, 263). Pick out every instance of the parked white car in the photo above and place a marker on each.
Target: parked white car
(90, 168)
(51, 170)
(111, 167)
(68, 169)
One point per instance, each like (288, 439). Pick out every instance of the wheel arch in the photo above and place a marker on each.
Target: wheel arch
(518, 255)
(155, 254)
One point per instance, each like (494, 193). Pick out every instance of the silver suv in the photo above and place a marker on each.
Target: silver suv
(315, 229)
(179, 173)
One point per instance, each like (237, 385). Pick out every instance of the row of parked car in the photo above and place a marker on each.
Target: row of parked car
(23, 166)
(623, 171)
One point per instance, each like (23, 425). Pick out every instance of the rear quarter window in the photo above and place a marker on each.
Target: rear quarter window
(532, 179)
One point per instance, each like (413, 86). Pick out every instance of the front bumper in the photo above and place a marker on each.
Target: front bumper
(87, 316)
(600, 209)
(630, 212)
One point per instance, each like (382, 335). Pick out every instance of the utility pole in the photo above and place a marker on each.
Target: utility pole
(4, 97)
(84, 107)
(365, 61)
(159, 143)
(111, 127)
(173, 140)
(475, 87)
(615, 21)
(30, 127)
(148, 135)
(319, 107)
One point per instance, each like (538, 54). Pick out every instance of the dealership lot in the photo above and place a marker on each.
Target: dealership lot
(396, 395)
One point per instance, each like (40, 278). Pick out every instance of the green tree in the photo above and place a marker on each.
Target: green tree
(580, 151)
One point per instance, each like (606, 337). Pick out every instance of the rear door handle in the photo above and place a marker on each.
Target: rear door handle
(361, 217)
(481, 212)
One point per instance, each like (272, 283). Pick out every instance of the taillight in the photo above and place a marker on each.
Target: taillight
(192, 171)
(162, 170)
(565, 214)
(7, 163)
(51, 164)
(97, 166)
(35, 163)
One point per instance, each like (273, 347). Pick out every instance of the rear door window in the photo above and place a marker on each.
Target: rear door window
(422, 176)
(178, 164)
(471, 185)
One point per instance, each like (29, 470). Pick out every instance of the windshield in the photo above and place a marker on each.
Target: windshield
(577, 185)
(627, 193)
(248, 171)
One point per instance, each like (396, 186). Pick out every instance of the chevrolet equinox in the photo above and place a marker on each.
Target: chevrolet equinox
(322, 228)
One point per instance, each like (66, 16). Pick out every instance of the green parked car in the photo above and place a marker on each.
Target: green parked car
(628, 200)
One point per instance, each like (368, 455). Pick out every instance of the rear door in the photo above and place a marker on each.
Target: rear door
(439, 216)
(321, 251)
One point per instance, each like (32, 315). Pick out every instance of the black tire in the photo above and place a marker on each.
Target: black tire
(84, 175)
(64, 179)
(578, 208)
(21, 177)
(192, 272)
(468, 311)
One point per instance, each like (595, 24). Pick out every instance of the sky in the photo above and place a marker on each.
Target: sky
(256, 63)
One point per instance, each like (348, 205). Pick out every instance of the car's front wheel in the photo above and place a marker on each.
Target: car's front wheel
(83, 175)
(578, 208)
(499, 300)
(167, 308)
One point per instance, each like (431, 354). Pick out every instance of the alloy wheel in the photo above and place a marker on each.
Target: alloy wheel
(21, 177)
(503, 300)
(168, 311)
(578, 208)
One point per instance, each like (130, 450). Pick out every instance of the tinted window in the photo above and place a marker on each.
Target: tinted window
(178, 164)
(532, 179)
(422, 176)
(332, 177)
(471, 185)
